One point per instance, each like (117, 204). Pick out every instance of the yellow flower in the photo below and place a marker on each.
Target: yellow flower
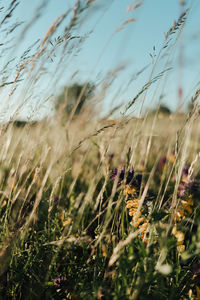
(66, 222)
(172, 158)
(180, 237)
(132, 203)
(179, 214)
(186, 206)
(137, 221)
(132, 206)
(144, 225)
(181, 248)
(128, 190)
(190, 201)
(133, 211)
(104, 251)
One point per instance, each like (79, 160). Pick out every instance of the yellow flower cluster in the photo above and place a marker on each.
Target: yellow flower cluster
(180, 237)
(185, 208)
(128, 190)
(138, 220)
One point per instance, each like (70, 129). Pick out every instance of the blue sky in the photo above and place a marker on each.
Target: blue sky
(104, 49)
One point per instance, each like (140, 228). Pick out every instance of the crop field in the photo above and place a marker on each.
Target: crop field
(91, 206)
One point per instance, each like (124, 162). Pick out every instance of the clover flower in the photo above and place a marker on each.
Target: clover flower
(120, 174)
(187, 185)
(59, 281)
(182, 188)
(56, 200)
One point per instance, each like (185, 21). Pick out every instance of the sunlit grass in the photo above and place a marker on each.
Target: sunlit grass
(93, 207)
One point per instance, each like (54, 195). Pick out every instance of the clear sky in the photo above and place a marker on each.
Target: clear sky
(107, 44)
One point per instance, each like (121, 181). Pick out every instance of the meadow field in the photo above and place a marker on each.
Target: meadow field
(95, 206)
(107, 211)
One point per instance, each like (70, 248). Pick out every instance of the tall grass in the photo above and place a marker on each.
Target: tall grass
(98, 208)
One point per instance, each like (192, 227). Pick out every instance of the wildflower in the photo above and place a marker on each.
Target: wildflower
(144, 228)
(104, 251)
(132, 212)
(56, 200)
(120, 174)
(172, 157)
(185, 171)
(187, 185)
(133, 203)
(182, 188)
(179, 214)
(59, 281)
(187, 205)
(138, 219)
(67, 221)
(180, 237)
(181, 248)
(144, 225)
(196, 269)
(185, 208)
(129, 190)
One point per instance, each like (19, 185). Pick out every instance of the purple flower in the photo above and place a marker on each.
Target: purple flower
(162, 162)
(187, 187)
(196, 269)
(185, 171)
(130, 175)
(56, 200)
(59, 281)
(120, 174)
(182, 188)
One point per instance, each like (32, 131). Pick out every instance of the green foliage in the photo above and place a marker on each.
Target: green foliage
(162, 109)
(75, 96)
